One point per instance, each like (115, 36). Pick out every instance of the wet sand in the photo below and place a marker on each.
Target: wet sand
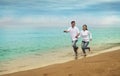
(104, 64)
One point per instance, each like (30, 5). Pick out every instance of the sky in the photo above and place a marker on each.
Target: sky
(37, 13)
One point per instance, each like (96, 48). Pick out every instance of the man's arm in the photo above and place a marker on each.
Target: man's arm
(66, 31)
(77, 35)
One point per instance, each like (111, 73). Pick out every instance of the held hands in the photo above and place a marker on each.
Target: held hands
(76, 36)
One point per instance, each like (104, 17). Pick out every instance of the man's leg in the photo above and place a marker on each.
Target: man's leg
(75, 48)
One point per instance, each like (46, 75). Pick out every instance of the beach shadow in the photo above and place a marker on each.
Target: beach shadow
(114, 44)
(3, 70)
(45, 74)
(70, 75)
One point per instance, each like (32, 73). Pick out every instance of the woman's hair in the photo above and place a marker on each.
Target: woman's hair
(85, 26)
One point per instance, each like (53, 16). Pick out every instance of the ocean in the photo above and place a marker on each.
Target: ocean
(16, 43)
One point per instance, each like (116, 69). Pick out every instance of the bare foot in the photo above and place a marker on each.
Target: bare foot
(85, 55)
(89, 49)
(76, 57)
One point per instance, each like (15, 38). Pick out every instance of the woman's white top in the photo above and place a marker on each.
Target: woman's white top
(85, 35)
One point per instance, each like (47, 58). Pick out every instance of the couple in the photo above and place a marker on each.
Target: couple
(75, 34)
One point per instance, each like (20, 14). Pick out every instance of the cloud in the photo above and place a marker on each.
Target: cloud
(36, 13)
(111, 20)
(105, 6)
(55, 6)
(43, 21)
(32, 21)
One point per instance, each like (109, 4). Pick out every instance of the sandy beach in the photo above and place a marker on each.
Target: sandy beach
(105, 64)
(59, 37)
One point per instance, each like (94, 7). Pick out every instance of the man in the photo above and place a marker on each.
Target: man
(74, 33)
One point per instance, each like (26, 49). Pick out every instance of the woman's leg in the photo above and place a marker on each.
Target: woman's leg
(86, 45)
(83, 47)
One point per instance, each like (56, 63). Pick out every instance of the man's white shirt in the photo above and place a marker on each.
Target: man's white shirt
(73, 32)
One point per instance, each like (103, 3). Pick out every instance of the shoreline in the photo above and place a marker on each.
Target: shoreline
(60, 61)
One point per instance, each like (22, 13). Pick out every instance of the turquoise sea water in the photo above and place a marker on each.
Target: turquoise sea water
(27, 41)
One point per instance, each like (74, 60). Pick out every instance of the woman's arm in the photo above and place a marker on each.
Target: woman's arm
(90, 35)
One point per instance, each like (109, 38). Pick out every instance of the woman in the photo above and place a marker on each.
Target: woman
(86, 37)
